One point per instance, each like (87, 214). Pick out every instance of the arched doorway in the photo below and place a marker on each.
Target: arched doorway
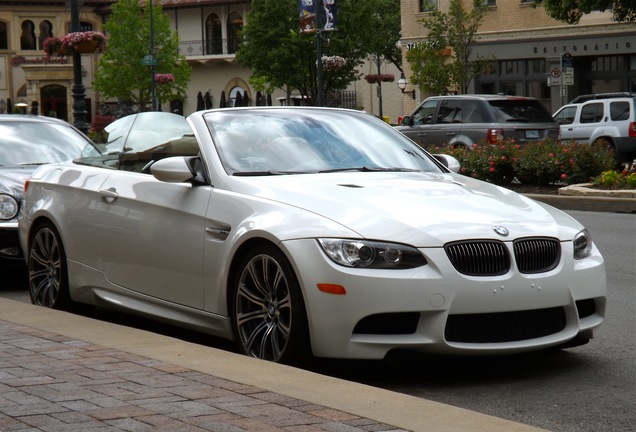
(54, 103)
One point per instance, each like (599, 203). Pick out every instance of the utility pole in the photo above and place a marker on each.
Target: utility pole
(153, 96)
(78, 91)
(319, 76)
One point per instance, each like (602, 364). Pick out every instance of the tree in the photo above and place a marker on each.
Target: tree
(120, 73)
(437, 70)
(571, 11)
(280, 56)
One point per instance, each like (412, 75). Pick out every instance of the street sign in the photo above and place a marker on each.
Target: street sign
(556, 77)
(566, 60)
(149, 60)
(568, 76)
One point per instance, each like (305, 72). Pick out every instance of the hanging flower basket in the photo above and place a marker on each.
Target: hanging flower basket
(164, 78)
(84, 42)
(333, 63)
(376, 78)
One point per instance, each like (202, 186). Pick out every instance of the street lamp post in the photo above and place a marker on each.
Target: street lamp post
(153, 95)
(319, 72)
(78, 91)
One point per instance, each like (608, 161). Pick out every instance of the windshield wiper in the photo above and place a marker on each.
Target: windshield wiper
(34, 163)
(266, 173)
(369, 169)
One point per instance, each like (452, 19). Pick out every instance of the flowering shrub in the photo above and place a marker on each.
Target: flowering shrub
(539, 163)
(333, 63)
(164, 78)
(72, 41)
(550, 162)
(376, 78)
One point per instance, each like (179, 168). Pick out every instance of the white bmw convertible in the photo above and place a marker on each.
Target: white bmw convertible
(299, 231)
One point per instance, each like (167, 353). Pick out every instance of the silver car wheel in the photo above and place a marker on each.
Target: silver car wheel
(264, 311)
(47, 269)
(266, 307)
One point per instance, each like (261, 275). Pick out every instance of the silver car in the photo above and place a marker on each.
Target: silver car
(307, 230)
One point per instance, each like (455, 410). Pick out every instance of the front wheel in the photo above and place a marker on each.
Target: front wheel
(267, 309)
(48, 278)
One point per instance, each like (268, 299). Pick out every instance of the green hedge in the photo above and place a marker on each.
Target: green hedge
(538, 163)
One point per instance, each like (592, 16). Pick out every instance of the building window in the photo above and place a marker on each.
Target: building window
(213, 35)
(4, 36)
(27, 37)
(234, 26)
(428, 5)
(46, 31)
(490, 3)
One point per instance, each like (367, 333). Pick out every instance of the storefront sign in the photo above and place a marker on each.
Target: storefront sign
(21, 60)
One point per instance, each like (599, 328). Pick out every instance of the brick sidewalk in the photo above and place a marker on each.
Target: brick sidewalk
(50, 382)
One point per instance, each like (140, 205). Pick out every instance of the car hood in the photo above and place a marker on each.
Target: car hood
(12, 179)
(421, 209)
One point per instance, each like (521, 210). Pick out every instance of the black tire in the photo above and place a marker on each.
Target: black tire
(267, 309)
(47, 272)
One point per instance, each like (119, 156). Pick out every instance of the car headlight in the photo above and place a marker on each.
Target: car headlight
(371, 254)
(8, 207)
(582, 245)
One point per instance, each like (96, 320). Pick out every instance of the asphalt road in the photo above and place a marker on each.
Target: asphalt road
(585, 389)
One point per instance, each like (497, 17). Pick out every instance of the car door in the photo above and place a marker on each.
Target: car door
(447, 124)
(150, 232)
(422, 120)
(566, 117)
(591, 118)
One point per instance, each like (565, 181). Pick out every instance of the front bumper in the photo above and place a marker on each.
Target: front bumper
(435, 309)
(10, 251)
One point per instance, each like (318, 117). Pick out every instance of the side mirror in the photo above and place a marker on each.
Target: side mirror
(407, 121)
(448, 161)
(174, 169)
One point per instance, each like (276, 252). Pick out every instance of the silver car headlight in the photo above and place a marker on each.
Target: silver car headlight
(8, 207)
(582, 245)
(371, 254)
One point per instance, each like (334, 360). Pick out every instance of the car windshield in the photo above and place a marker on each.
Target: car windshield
(33, 143)
(290, 141)
(521, 110)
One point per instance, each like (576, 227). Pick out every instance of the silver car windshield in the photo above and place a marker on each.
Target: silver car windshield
(295, 141)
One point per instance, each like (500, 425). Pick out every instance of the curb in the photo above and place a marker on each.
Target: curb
(582, 197)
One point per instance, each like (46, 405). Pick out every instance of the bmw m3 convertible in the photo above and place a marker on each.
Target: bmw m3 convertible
(306, 231)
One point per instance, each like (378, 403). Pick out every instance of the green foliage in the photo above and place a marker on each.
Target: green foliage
(539, 163)
(571, 11)
(120, 73)
(435, 72)
(280, 56)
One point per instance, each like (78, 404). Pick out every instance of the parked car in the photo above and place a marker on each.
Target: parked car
(603, 118)
(464, 120)
(307, 230)
(25, 143)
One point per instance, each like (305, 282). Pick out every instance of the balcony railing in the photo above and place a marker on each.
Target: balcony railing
(204, 47)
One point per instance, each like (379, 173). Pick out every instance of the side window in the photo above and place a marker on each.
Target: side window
(449, 112)
(566, 116)
(425, 113)
(146, 143)
(619, 111)
(471, 112)
(592, 113)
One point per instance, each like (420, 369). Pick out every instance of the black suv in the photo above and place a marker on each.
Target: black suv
(464, 120)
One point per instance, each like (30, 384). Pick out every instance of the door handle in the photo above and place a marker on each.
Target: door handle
(109, 195)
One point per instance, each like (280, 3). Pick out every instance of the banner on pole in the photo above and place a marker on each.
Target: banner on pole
(308, 15)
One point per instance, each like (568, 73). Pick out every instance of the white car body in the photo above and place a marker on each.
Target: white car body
(169, 250)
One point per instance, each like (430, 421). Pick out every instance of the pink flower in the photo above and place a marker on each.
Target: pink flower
(563, 176)
(492, 169)
(551, 155)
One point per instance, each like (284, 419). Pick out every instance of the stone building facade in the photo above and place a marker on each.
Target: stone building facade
(528, 46)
